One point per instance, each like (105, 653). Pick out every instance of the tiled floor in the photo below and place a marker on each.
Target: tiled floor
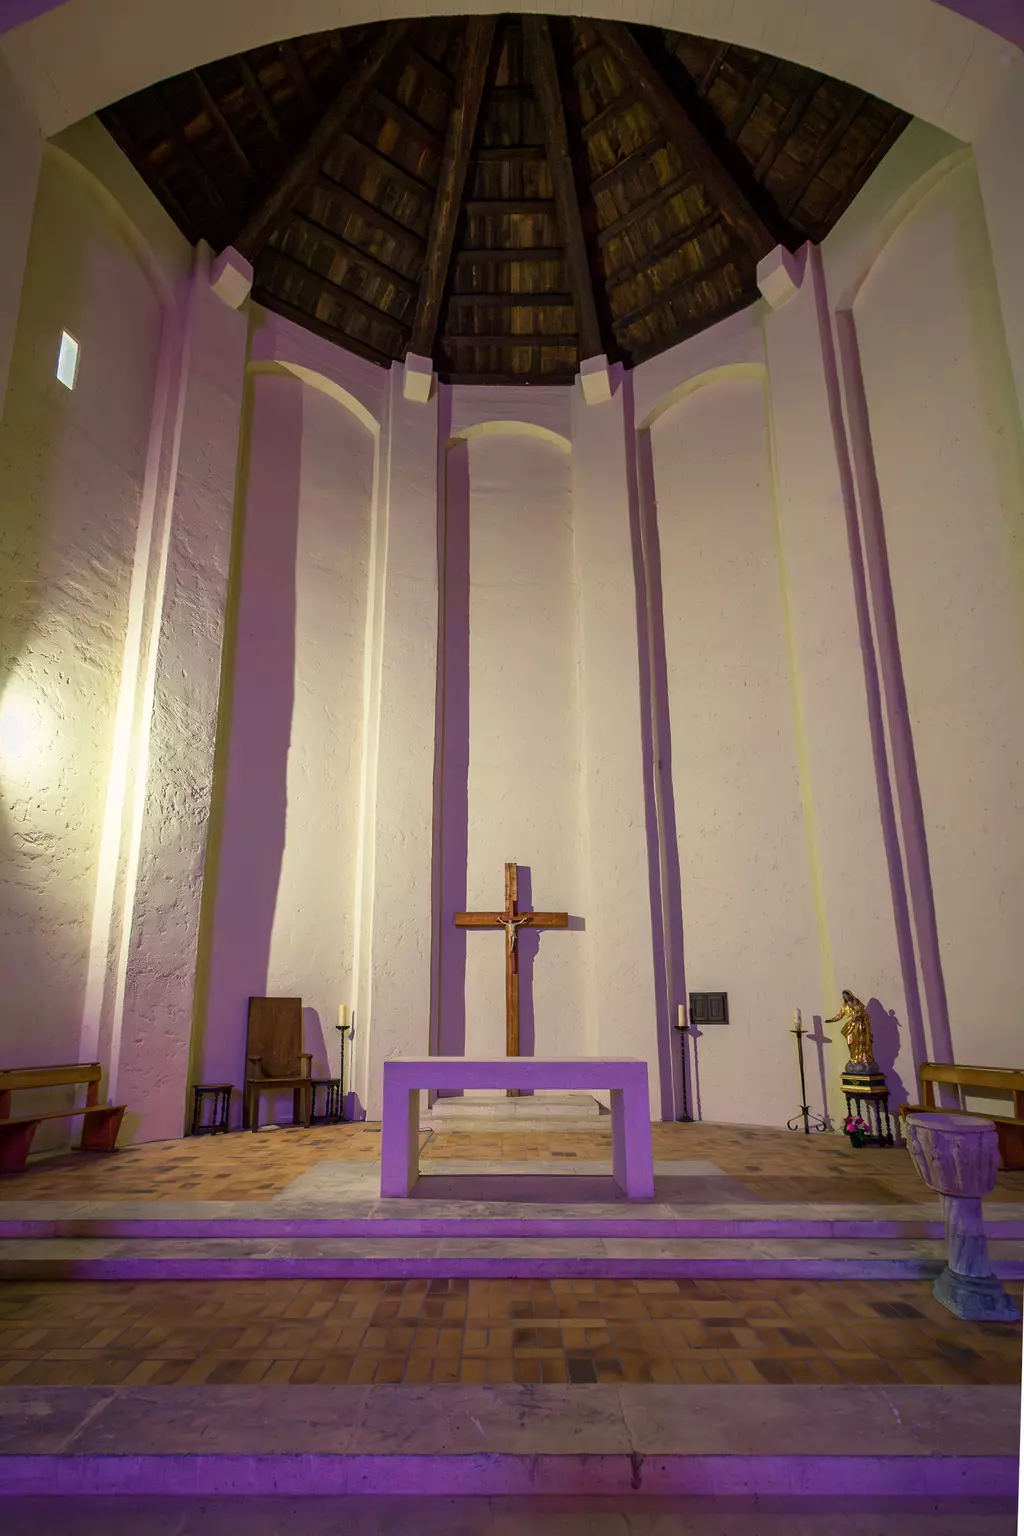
(419, 1331)
(773, 1165)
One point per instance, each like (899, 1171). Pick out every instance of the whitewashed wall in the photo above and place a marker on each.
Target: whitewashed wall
(72, 466)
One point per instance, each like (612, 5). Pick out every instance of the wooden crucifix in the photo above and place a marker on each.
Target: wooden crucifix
(511, 920)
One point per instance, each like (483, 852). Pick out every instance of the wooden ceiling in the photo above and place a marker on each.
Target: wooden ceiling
(507, 196)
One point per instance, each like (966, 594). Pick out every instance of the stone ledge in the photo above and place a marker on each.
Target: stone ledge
(705, 1440)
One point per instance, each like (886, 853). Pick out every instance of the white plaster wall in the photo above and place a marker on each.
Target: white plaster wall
(312, 940)
(747, 908)
(283, 918)
(946, 439)
(71, 476)
(524, 782)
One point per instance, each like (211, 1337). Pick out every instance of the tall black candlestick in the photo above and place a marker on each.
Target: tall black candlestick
(805, 1115)
(683, 1029)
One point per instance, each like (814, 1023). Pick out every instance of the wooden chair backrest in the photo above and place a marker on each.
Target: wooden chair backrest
(275, 1036)
(50, 1077)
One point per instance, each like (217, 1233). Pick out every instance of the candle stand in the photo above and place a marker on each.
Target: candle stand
(804, 1120)
(684, 1030)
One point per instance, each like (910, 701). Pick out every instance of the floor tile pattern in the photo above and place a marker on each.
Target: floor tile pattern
(480, 1331)
(773, 1165)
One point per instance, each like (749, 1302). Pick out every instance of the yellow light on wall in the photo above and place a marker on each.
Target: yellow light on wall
(25, 730)
(67, 360)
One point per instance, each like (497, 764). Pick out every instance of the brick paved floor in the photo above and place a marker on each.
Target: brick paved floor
(418, 1331)
(773, 1165)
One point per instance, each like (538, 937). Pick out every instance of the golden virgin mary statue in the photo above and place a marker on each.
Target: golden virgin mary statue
(856, 1029)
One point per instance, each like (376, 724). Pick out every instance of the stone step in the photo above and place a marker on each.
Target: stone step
(403, 1257)
(809, 1442)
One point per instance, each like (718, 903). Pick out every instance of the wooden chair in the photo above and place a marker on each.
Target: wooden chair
(275, 1060)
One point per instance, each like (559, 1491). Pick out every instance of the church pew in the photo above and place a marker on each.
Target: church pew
(100, 1123)
(1009, 1128)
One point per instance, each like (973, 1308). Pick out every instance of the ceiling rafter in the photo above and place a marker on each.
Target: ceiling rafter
(540, 58)
(691, 143)
(451, 182)
(307, 158)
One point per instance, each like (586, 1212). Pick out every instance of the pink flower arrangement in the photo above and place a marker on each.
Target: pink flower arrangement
(853, 1125)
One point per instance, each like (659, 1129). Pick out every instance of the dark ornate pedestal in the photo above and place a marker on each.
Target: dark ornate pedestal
(334, 1105)
(867, 1095)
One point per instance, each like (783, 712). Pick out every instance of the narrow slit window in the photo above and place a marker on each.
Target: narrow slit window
(67, 360)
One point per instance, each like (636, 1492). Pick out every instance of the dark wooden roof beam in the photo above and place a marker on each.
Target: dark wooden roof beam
(414, 125)
(512, 300)
(352, 254)
(691, 143)
(503, 254)
(304, 163)
(499, 153)
(367, 211)
(632, 162)
(755, 90)
(222, 126)
(649, 205)
(540, 59)
(788, 126)
(176, 135)
(665, 296)
(297, 71)
(451, 182)
(258, 97)
(336, 292)
(438, 76)
(311, 322)
(715, 63)
(667, 247)
(484, 207)
(830, 142)
(599, 122)
(508, 339)
(396, 173)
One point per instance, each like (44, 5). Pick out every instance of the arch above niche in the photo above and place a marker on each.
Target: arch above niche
(70, 59)
(511, 428)
(699, 381)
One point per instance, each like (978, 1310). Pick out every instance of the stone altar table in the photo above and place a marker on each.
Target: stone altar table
(624, 1077)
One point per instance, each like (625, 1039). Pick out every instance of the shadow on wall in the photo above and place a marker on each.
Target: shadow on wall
(818, 1038)
(257, 698)
(885, 1032)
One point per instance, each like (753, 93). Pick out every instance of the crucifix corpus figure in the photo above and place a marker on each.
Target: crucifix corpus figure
(512, 920)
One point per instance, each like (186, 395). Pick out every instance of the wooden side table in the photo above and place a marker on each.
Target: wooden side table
(221, 1110)
(334, 1108)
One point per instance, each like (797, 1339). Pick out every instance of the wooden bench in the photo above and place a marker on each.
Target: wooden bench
(1009, 1128)
(101, 1122)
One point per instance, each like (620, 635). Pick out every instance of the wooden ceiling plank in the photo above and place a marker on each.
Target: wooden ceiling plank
(397, 173)
(614, 109)
(649, 205)
(212, 109)
(755, 90)
(297, 70)
(498, 153)
(590, 58)
(512, 300)
(540, 59)
(452, 181)
(353, 254)
(115, 126)
(177, 136)
(633, 161)
(414, 125)
(321, 328)
(335, 291)
(880, 150)
(258, 96)
(674, 290)
(667, 247)
(831, 140)
(715, 63)
(440, 77)
(372, 215)
(305, 161)
(484, 207)
(790, 123)
(504, 253)
(508, 339)
(721, 185)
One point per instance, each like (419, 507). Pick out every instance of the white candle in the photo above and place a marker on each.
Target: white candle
(797, 1018)
(682, 1016)
(342, 1015)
